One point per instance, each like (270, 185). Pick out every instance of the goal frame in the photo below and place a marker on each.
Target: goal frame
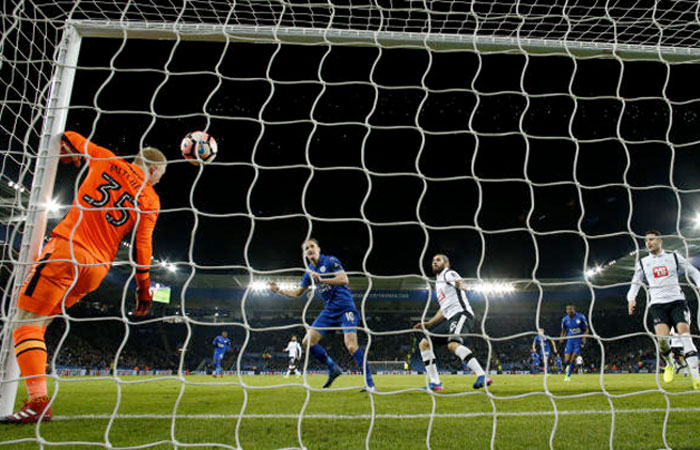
(55, 112)
(432, 41)
(54, 115)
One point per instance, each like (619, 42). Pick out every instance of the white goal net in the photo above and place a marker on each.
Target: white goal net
(533, 142)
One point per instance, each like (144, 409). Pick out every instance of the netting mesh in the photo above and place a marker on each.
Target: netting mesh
(528, 169)
(665, 23)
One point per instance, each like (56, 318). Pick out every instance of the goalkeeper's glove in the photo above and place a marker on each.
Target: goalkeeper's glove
(144, 297)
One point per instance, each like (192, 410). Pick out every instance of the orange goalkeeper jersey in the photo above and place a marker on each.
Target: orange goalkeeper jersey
(112, 200)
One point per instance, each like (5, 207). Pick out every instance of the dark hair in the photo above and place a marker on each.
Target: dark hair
(444, 256)
(572, 305)
(654, 232)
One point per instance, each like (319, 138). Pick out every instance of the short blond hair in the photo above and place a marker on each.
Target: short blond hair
(150, 156)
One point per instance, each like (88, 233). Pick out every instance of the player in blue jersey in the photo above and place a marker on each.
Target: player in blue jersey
(331, 282)
(541, 345)
(534, 362)
(557, 362)
(221, 344)
(575, 326)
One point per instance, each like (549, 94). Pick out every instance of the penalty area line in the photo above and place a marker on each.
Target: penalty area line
(380, 416)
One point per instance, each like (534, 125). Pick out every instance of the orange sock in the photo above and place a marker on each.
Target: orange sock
(30, 350)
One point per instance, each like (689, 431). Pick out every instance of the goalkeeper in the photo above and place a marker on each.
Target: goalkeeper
(331, 282)
(80, 252)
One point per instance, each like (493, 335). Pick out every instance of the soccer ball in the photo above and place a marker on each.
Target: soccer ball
(198, 146)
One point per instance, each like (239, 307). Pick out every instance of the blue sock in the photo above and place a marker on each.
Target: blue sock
(359, 356)
(320, 353)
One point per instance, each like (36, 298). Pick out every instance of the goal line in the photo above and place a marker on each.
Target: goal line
(384, 416)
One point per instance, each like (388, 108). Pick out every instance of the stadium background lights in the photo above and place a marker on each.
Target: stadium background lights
(260, 286)
(15, 186)
(53, 205)
(168, 266)
(492, 287)
(593, 271)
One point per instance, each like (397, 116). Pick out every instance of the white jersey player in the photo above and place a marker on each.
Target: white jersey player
(294, 351)
(454, 318)
(667, 305)
(579, 364)
(677, 352)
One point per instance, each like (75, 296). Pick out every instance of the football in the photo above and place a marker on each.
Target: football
(198, 147)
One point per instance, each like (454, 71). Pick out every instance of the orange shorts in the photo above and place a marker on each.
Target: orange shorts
(51, 278)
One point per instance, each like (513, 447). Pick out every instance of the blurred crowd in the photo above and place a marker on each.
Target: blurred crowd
(98, 338)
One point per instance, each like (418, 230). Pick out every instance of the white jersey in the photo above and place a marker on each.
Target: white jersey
(675, 339)
(660, 273)
(452, 299)
(294, 349)
(579, 360)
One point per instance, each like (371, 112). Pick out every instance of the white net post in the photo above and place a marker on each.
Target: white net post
(519, 29)
(54, 116)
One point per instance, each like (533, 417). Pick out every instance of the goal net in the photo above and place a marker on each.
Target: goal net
(532, 142)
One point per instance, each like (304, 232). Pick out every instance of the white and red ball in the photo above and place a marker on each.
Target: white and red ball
(199, 147)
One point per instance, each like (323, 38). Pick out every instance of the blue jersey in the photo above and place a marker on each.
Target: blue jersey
(539, 340)
(221, 344)
(336, 299)
(574, 326)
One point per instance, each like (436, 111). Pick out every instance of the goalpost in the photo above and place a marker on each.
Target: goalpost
(448, 115)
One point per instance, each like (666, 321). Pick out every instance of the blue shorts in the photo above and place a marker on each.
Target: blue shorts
(573, 346)
(347, 320)
(218, 356)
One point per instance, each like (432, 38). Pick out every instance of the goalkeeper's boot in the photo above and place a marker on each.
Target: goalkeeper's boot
(567, 378)
(332, 375)
(669, 372)
(286, 375)
(482, 381)
(31, 412)
(696, 384)
(298, 375)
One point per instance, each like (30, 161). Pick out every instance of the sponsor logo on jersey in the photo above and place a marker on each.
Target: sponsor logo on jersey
(440, 295)
(660, 271)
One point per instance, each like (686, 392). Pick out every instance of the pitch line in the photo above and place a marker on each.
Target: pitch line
(380, 416)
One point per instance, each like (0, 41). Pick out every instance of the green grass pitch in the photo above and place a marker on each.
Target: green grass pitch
(208, 413)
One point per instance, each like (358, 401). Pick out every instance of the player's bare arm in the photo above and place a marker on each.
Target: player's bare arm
(339, 278)
(292, 293)
(437, 318)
